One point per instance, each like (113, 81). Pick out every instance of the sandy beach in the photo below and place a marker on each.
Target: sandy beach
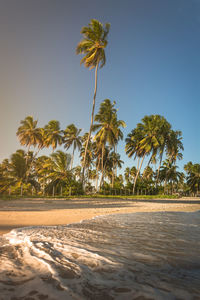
(45, 212)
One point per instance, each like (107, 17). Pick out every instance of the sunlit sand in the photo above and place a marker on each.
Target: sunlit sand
(45, 212)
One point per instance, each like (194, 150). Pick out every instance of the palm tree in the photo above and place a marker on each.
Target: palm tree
(175, 146)
(127, 174)
(148, 173)
(28, 133)
(133, 148)
(116, 163)
(72, 138)
(53, 134)
(89, 154)
(92, 46)
(169, 173)
(14, 171)
(59, 174)
(108, 126)
(193, 176)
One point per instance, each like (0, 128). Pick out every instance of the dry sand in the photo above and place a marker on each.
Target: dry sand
(43, 212)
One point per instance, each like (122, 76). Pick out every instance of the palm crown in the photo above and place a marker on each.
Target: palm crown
(93, 44)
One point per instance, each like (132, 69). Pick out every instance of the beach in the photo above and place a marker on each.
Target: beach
(16, 213)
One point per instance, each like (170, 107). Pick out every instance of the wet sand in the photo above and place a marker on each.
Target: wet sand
(45, 212)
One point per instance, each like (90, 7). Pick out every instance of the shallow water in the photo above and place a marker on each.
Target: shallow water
(128, 256)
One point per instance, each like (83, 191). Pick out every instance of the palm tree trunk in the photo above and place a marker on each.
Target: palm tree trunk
(72, 159)
(97, 177)
(21, 189)
(31, 163)
(138, 173)
(91, 123)
(102, 167)
(159, 169)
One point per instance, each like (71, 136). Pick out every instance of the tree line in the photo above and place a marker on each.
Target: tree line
(25, 172)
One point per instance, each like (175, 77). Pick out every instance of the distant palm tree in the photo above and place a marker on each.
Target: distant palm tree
(89, 154)
(92, 46)
(193, 176)
(72, 138)
(175, 146)
(148, 173)
(59, 174)
(53, 134)
(169, 174)
(15, 172)
(127, 173)
(28, 133)
(133, 148)
(116, 163)
(107, 127)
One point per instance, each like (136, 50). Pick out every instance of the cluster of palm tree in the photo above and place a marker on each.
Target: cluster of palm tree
(56, 172)
(153, 137)
(26, 172)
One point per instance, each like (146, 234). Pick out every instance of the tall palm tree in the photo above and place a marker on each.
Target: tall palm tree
(92, 46)
(72, 138)
(53, 134)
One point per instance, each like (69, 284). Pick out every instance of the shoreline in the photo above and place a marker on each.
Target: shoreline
(47, 212)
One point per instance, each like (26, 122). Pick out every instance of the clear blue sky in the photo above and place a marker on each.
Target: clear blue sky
(153, 65)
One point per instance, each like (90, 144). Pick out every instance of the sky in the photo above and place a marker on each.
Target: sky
(152, 66)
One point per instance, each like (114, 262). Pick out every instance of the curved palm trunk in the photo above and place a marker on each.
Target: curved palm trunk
(91, 124)
(136, 174)
(102, 167)
(138, 171)
(159, 168)
(72, 159)
(97, 177)
(31, 163)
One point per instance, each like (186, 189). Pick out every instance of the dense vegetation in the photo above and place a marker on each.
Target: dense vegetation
(153, 140)
(25, 172)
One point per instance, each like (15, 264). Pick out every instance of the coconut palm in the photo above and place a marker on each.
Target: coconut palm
(16, 171)
(193, 176)
(59, 174)
(175, 146)
(53, 134)
(28, 133)
(133, 148)
(169, 174)
(107, 127)
(92, 46)
(116, 163)
(72, 138)
(90, 152)
(127, 174)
